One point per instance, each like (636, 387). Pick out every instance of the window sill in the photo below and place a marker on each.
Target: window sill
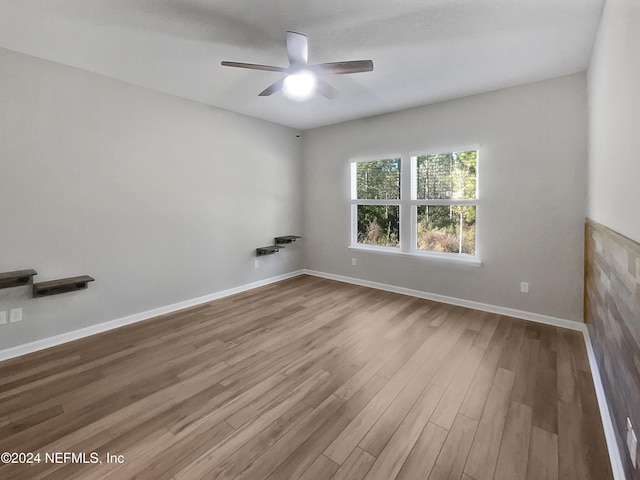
(438, 257)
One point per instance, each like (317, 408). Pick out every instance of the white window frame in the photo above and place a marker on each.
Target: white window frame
(355, 202)
(408, 206)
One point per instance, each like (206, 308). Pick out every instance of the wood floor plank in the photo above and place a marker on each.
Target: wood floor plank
(578, 437)
(274, 456)
(453, 397)
(376, 438)
(424, 453)
(208, 461)
(524, 384)
(351, 386)
(261, 442)
(314, 445)
(482, 459)
(453, 454)
(342, 447)
(545, 410)
(511, 351)
(310, 378)
(391, 459)
(453, 358)
(514, 448)
(321, 469)
(593, 437)
(355, 466)
(567, 370)
(543, 455)
(476, 396)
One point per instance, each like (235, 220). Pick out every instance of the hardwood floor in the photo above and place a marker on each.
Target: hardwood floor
(309, 379)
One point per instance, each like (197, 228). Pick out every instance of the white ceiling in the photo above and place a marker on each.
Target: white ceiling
(424, 51)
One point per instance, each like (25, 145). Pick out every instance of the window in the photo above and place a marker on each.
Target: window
(375, 187)
(416, 204)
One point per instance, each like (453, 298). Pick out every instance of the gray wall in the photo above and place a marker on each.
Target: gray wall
(614, 120)
(532, 185)
(159, 198)
(614, 201)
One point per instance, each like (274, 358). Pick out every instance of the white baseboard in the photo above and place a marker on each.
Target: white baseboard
(607, 423)
(138, 317)
(612, 444)
(485, 307)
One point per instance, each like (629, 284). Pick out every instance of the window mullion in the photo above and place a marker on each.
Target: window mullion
(406, 232)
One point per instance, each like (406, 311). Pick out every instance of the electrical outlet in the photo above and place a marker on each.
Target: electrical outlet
(15, 315)
(3, 318)
(256, 264)
(524, 287)
(354, 261)
(632, 443)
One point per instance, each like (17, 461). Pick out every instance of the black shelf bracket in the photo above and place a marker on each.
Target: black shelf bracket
(17, 278)
(62, 285)
(271, 249)
(286, 239)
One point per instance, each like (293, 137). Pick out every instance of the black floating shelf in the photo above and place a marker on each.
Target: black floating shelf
(278, 244)
(62, 285)
(286, 239)
(271, 249)
(17, 278)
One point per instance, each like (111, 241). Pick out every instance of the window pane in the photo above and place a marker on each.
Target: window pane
(379, 225)
(447, 176)
(447, 228)
(378, 180)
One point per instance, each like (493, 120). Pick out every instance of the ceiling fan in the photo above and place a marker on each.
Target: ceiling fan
(301, 81)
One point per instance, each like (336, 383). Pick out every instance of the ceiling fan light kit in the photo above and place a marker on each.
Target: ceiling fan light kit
(302, 82)
(300, 86)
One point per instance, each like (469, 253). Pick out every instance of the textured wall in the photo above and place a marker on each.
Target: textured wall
(612, 313)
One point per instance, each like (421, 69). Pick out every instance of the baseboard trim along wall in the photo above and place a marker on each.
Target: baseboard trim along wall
(614, 453)
(137, 317)
(460, 302)
(607, 423)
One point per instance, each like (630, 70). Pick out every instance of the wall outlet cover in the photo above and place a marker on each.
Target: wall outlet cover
(15, 315)
(524, 287)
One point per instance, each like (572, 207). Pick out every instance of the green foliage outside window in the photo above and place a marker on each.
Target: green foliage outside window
(447, 176)
(379, 180)
(379, 225)
(441, 228)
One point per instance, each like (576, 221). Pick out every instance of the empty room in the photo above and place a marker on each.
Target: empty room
(379, 240)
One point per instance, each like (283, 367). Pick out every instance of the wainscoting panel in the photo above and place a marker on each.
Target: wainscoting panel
(612, 314)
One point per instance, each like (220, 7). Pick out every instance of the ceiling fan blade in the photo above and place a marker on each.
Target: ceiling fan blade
(273, 88)
(353, 66)
(297, 48)
(326, 90)
(254, 66)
